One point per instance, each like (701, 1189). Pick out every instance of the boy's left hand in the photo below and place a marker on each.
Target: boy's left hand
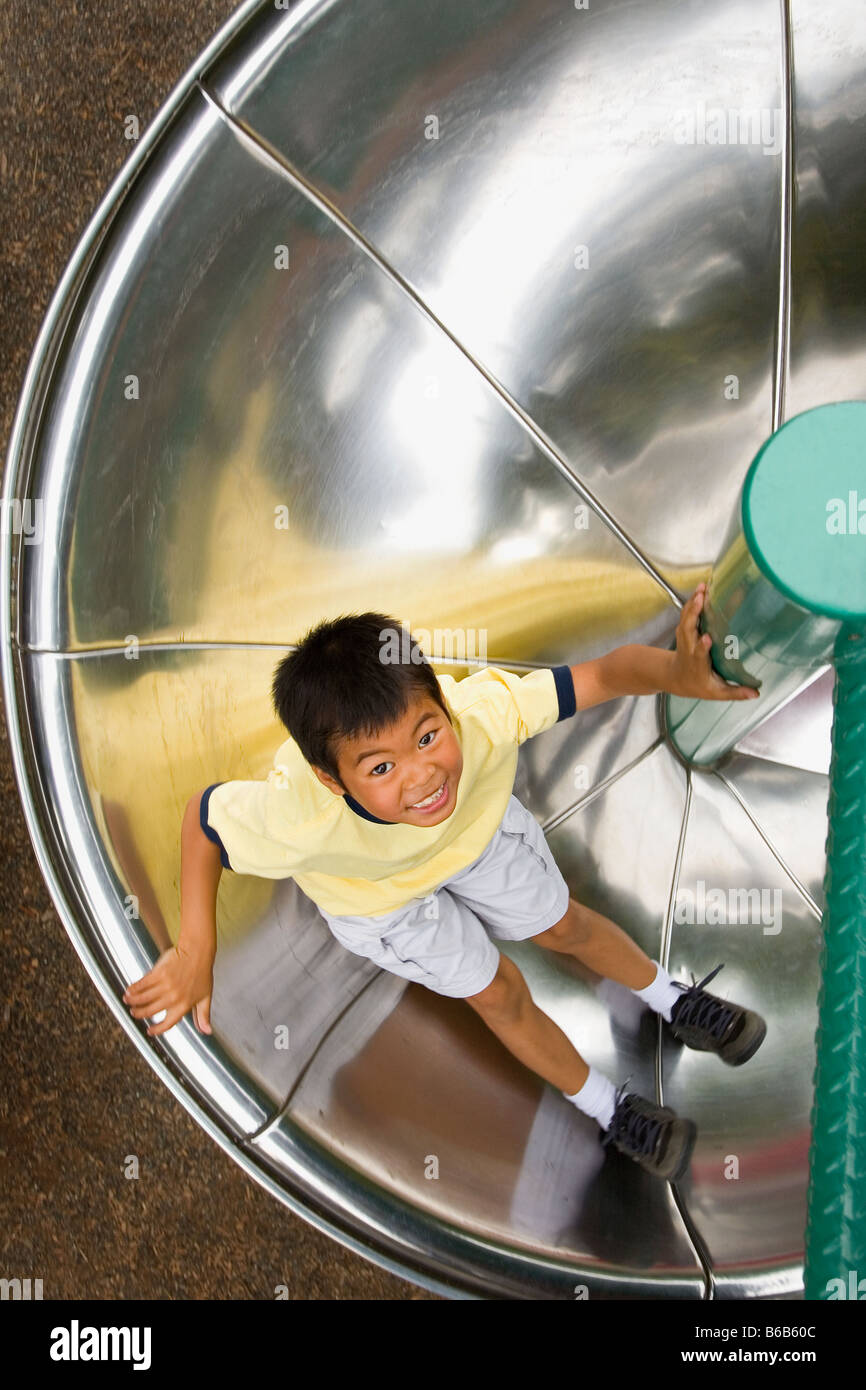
(694, 675)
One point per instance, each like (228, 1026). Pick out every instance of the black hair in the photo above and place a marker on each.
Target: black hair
(350, 675)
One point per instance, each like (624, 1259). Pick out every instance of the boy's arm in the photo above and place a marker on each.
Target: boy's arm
(620, 672)
(200, 872)
(183, 976)
(637, 670)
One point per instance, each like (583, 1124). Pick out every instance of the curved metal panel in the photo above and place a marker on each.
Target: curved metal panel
(430, 1108)
(496, 153)
(328, 443)
(828, 274)
(97, 870)
(798, 733)
(734, 904)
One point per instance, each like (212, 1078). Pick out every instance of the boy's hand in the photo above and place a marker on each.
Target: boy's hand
(181, 980)
(693, 670)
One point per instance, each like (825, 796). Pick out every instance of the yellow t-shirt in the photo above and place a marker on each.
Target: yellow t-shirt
(349, 861)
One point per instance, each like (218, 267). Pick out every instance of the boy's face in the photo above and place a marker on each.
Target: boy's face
(401, 765)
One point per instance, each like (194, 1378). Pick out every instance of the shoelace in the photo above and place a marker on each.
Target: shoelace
(704, 1012)
(641, 1130)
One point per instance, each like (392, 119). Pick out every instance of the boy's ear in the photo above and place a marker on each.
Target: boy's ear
(327, 780)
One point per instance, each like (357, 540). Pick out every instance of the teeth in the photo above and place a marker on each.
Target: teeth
(434, 796)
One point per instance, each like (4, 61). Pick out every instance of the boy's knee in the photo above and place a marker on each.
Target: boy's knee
(506, 993)
(573, 929)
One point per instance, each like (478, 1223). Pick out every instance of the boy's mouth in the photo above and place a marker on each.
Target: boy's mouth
(434, 801)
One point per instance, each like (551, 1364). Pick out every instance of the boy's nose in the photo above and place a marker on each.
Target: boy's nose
(424, 786)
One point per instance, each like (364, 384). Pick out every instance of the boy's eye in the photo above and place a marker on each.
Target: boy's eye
(375, 769)
(429, 734)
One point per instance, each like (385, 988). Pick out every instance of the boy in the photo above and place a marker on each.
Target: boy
(391, 806)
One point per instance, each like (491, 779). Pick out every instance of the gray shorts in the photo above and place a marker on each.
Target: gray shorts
(514, 888)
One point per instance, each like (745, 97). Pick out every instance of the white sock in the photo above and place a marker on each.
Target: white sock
(595, 1097)
(661, 994)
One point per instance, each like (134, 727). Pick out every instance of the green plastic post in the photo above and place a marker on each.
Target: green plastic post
(836, 1221)
(836, 1200)
(804, 517)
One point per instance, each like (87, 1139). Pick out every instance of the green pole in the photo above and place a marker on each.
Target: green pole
(788, 595)
(836, 1199)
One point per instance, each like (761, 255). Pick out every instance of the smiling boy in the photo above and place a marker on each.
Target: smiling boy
(391, 806)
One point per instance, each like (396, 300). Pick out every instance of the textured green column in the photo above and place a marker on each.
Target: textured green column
(804, 516)
(836, 1220)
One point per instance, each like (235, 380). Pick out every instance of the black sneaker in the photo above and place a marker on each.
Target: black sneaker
(710, 1024)
(653, 1135)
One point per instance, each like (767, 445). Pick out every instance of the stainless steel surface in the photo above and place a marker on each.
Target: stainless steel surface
(560, 130)
(828, 273)
(443, 409)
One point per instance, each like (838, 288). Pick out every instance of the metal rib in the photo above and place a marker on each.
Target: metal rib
(701, 1251)
(800, 887)
(783, 324)
(593, 792)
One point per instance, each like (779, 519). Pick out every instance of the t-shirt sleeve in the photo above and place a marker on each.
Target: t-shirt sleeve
(244, 819)
(523, 706)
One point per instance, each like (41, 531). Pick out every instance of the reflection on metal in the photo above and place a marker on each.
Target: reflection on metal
(510, 380)
(778, 648)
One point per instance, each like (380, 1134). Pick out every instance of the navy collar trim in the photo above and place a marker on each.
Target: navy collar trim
(360, 811)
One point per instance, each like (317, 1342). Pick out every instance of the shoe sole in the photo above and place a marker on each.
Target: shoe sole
(686, 1158)
(738, 1059)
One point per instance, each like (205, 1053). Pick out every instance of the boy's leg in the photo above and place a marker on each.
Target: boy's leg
(702, 1020)
(654, 1136)
(598, 942)
(510, 1012)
